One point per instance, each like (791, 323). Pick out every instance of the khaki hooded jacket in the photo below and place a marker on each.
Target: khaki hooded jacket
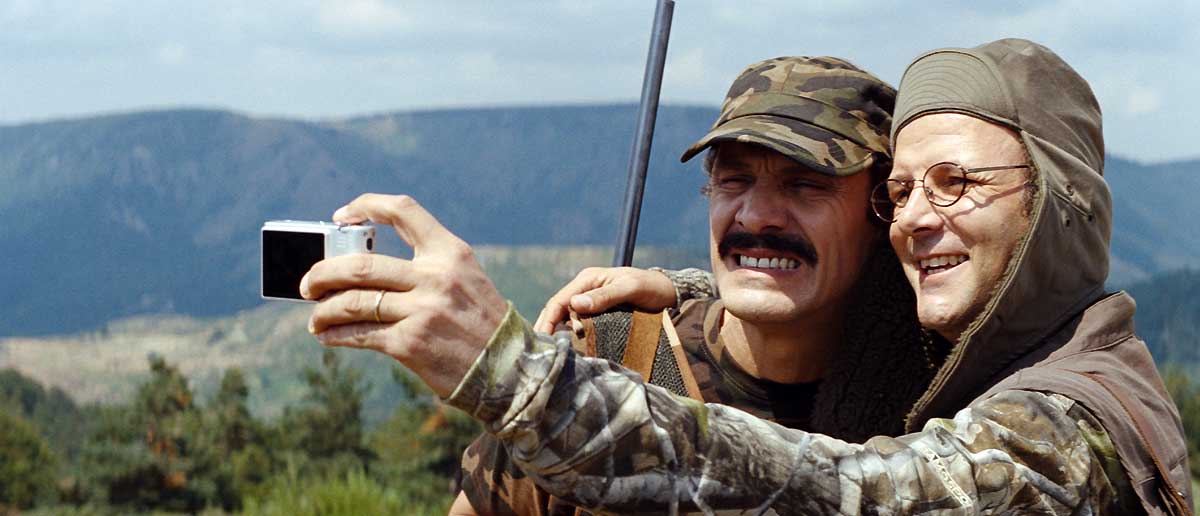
(1051, 327)
(1048, 404)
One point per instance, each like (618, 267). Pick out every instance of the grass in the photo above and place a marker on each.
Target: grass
(351, 495)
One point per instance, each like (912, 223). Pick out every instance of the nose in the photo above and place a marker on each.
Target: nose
(763, 209)
(918, 214)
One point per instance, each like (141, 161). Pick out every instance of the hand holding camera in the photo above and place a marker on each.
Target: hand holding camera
(433, 313)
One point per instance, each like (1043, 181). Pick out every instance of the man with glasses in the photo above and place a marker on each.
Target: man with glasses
(1047, 403)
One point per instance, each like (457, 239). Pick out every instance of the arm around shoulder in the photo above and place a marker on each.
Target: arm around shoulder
(575, 425)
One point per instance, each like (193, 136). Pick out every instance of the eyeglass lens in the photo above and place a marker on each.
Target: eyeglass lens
(943, 184)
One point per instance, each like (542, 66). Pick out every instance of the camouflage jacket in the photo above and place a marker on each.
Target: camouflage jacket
(496, 486)
(593, 433)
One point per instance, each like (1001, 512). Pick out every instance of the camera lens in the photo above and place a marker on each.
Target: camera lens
(370, 244)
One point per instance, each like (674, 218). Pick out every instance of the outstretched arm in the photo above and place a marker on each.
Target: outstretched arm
(596, 435)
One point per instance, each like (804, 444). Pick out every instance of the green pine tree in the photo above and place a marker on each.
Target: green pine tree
(27, 465)
(327, 433)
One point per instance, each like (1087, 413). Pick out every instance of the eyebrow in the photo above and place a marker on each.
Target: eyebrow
(739, 165)
(903, 173)
(732, 163)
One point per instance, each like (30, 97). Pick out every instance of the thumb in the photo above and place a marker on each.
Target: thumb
(582, 303)
(598, 299)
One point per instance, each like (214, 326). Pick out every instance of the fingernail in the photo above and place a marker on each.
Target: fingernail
(582, 302)
(304, 287)
(340, 213)
(312, 328)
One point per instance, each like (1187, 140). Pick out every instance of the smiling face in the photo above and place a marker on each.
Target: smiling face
(786, 242)
(955, 256)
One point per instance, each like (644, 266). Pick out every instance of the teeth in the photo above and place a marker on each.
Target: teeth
(767, 263)
(942, 261)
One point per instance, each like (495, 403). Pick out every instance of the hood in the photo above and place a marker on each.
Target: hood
(1060, 265)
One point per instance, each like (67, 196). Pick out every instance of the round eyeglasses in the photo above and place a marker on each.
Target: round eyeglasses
(943, 183)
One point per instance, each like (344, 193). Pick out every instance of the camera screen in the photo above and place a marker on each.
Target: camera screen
(287, 256)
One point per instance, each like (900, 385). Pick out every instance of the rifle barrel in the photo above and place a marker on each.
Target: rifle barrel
(639, 158)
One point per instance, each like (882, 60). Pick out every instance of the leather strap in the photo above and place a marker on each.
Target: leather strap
(1172, 497)
(583, 333)
(685, 368)
(642, 343)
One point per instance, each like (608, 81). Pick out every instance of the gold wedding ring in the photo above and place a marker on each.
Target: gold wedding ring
(379, 301)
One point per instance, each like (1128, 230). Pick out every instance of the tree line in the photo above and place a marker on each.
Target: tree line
(166, 451)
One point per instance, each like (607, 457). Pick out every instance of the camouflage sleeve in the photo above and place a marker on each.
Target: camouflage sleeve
(497, 487)
(690, 284)
(595, 434)
(485, 478)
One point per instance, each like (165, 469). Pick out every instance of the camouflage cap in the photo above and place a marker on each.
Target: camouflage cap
(820, 111)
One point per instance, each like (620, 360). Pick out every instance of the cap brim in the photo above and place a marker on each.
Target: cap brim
(814, 147)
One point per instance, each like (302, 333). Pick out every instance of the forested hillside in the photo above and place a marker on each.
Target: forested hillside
(167, 450)
(158, 212)
(269, 343)
(1168, 316)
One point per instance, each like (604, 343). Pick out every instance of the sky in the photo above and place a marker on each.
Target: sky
(322, 60)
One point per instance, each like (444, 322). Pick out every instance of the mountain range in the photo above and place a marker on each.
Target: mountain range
(158, 212)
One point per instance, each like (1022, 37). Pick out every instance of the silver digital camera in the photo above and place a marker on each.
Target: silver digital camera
(291, 247)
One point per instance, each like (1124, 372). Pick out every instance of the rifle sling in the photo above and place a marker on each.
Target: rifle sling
(642, 344)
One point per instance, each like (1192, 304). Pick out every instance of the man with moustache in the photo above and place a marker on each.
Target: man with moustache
(1001, 219)
(792, 157)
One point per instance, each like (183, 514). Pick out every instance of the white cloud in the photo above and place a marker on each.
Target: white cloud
(687, 68)
(1143, 100)
(330, 58)
(355, 18)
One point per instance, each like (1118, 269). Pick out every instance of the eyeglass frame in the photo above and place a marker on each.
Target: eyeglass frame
(911, 184)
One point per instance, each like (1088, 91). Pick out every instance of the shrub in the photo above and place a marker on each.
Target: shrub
(353, 494)
(27, 466)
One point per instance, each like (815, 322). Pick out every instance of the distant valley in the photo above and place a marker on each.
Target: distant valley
(269, 343)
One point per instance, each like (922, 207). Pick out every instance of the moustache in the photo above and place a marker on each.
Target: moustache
(796, 245)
